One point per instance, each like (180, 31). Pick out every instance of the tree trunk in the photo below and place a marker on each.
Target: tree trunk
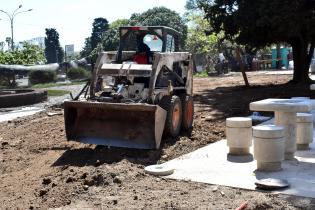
(242, 67)
(301, 62)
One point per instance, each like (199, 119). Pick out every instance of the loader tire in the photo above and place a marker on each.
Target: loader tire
(173, 121)
(188, 112)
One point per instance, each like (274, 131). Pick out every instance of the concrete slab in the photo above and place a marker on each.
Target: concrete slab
(212, 165)
(12, 113)
(26, 111)
(282, 105)
(280, 72)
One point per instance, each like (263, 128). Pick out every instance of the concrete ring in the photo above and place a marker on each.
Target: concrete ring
(159, 170)
(21, 97)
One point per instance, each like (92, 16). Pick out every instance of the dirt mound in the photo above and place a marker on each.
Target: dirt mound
(39, 169)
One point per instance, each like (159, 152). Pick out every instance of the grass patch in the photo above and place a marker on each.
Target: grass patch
(48, 85)
(201, 74)
(57, 92)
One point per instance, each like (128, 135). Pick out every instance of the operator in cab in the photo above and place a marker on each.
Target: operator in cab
(143, 51)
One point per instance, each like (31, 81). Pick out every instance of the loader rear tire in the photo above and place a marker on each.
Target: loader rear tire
(188, 112)
(173, 121)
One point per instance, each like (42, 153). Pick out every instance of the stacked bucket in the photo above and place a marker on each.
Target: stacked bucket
(268, 140)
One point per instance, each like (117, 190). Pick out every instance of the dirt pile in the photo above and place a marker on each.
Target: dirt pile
(39, 169)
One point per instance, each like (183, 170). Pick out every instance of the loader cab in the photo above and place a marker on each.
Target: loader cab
(156, 38)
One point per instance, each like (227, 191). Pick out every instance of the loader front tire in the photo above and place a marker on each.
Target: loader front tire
(173, 122)
(188, 112)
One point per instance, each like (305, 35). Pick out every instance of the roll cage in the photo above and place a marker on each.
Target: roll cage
(168, 36)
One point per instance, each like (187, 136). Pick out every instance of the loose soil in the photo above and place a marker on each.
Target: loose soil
(40, 170)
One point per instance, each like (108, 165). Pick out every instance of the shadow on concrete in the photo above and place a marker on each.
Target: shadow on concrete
(240, 159)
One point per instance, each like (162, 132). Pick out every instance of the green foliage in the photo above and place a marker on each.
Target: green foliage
(192, 5)
(263, 22)
(3, 83)
(161, 16)
(78, 73)
(94, 54)
(201, 41)
(198, 41)
(7, 79)
(110, 40)
(53, 51)
(57, 92)
(118, 23)
(87, 49)
(28, 55)
(201, 74)
(74, 56)
(108, 35)
(100, 25)
(39, 77)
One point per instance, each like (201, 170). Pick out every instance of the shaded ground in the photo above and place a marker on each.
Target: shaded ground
(39, 169)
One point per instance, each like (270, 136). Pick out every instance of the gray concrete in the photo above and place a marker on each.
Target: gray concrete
(75, 89)
(23, 112)
(212, 164)
(12, 113)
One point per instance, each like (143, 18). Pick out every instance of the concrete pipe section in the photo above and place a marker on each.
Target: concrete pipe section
(239, 135)
(304, 130)
(269, 147)
(159, 170)
(285, 115)
(21, 97)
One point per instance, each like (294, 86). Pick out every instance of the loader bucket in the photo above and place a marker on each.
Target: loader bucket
(115, 124)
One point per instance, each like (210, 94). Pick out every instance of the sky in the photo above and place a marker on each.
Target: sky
(72, 18)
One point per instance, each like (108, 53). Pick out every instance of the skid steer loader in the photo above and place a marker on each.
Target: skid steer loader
(136, 94)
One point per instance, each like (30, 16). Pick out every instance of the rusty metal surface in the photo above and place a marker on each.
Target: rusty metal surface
(119, 125)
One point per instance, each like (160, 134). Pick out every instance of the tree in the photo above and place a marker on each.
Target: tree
(100, 25)
(161, 16)
(192, 6)
(111, 36)
(28, 55)
(201, 40)
(198, 41)
(53, 51)
(118, 23)
(263, 22)
(87, 49)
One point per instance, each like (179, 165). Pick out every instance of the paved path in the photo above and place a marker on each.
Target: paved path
(15, 112)
(75, 90)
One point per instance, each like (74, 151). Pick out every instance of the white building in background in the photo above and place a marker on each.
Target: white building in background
(39, 41)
